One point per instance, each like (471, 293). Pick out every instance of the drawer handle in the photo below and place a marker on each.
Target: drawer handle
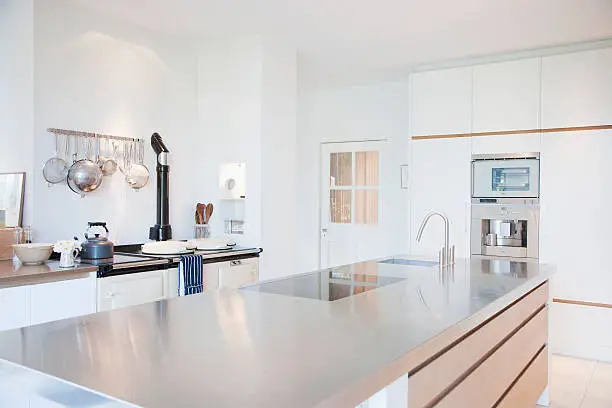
(234, 263)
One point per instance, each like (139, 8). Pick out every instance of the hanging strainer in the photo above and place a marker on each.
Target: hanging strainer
(55, 169)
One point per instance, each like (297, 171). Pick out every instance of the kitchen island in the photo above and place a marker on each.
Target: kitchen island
(474, 334)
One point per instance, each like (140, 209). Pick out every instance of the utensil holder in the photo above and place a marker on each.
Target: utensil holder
(201, 231)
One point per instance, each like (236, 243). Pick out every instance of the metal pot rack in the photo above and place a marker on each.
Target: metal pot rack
(128, 154)
(65, 132)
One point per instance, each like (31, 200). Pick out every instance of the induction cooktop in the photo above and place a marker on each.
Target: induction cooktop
(325, 285)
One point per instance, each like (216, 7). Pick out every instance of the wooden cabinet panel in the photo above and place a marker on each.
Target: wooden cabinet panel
(507, 96)
(440, 374)
(441, 102)
(132, 289)
(530, 385)
(484, 386)
(61, 300)
(577, 89)
(440, 181)
(14, 307)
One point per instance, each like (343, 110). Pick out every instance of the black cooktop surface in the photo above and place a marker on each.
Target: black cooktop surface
(120, 259)
(326, 285)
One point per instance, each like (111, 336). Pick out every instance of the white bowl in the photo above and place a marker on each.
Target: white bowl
(33, 254)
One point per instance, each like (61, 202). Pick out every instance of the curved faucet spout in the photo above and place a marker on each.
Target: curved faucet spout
(446, 250)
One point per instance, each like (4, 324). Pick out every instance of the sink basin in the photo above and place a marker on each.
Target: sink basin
(410, 262)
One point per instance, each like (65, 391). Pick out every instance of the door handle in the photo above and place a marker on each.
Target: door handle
(234, 263)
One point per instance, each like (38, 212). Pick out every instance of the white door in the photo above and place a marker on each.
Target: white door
(351, 202)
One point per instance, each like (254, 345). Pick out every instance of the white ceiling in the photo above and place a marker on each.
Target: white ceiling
(360, 38)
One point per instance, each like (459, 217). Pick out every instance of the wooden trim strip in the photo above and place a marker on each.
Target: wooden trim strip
(513, 132)
(583, 303)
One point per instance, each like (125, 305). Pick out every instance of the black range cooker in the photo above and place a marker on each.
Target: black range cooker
(130, 259)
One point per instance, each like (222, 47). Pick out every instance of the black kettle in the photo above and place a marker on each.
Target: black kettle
(97, 245)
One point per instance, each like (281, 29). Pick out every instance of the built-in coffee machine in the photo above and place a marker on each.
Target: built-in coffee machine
(506, 205)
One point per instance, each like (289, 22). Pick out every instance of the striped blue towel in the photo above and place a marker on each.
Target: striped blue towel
(191, 279)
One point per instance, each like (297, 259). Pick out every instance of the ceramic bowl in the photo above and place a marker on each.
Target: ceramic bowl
(33, 254)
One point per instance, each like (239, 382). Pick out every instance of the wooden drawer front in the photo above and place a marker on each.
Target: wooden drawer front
(440, 374)
(487, 383)
(526, 391)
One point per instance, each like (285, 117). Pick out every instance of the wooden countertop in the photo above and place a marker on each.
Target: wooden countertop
(18, 275)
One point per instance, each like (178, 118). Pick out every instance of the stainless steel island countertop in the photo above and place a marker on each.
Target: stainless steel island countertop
(231, 348)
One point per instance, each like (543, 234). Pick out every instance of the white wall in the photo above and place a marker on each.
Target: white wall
(369, 112)
(247, 109)
(229, 105)
(278, 159)
(16, 92)
(96, 74)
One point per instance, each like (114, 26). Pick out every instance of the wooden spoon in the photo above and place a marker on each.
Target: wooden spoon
(209, 212)
(200, 208)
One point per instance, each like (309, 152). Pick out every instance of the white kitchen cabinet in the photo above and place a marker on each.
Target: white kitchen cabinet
(14, 307)
(115, 292)
(61, 300)
(234, 274)
(522, 143)
(581, 331)
(172, 282)
(211, 278)
(574, 236)
(440, 181)
(441, 102)
(577, 89)
(211, 275)
(507, 96)
(575, 217)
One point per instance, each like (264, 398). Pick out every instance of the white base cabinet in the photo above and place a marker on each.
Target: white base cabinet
(132, 289)
(211, 279)
(234, 274)
(35, 304)
(228, 274)
(581, 331)
(14, 307)
(138, 288)
(61, 300)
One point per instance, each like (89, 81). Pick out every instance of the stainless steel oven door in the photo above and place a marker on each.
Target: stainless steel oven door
(518, 178)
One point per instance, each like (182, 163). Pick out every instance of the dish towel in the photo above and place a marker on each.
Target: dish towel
(190, 275)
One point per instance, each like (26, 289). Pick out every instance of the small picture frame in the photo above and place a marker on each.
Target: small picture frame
(404, 176)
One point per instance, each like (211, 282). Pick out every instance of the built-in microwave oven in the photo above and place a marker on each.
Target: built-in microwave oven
(506, 175)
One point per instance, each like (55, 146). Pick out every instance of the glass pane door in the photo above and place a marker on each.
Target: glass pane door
(510, 179)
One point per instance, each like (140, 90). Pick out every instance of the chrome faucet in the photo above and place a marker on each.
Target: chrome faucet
(447, 253)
